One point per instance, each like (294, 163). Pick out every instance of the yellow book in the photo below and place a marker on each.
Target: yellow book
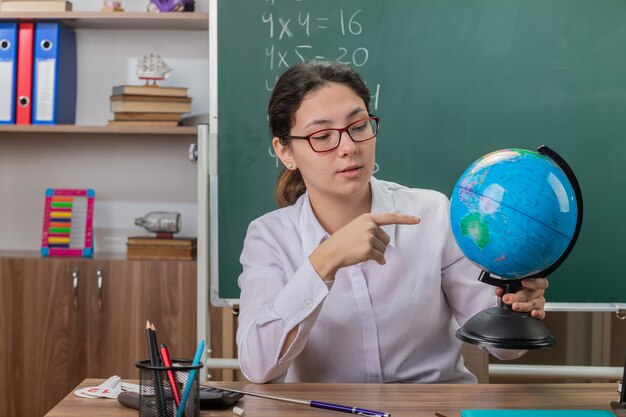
(143, 123)
(36, 6)
(158, 248)
(171, 117)
(146, 104)
(150, 90)
(149, 241)
(183, 254)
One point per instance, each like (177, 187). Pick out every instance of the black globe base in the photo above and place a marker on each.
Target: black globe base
(501, 327)
(616, 405)
(621, 404)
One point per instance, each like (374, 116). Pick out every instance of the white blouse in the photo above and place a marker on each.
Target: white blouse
(373, 323)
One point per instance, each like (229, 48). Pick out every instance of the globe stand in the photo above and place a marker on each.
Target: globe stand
(501, 327)
(621, 404)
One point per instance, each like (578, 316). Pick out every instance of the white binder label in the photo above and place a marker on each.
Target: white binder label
(45, 89)
(6, 86)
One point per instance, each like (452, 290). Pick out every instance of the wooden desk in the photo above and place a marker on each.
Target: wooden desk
(398, 399)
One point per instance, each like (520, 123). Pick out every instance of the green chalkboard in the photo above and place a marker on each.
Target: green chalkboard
(452, 81)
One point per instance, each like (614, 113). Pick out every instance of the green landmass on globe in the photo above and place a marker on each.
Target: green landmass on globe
(476, 229)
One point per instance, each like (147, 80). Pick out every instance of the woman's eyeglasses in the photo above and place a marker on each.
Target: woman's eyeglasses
(326, 140)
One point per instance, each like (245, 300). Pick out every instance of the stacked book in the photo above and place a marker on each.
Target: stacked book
(148, 105)
(145, 247)
(35, 6)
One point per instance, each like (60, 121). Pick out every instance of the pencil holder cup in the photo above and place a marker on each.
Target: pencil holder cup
(162, 388)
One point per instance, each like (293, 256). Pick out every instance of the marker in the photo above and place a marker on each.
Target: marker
(167, 361)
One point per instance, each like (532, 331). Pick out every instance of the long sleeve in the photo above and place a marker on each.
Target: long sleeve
(374, 323)
(277, 295)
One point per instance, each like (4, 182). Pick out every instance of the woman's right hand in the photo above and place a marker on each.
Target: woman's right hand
(360, 240)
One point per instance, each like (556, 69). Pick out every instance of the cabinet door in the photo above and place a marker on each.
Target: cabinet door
(42, 334)
(133, 292)
(10, 330)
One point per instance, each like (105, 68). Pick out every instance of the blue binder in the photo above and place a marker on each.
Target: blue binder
(54, 74)
(8, 68)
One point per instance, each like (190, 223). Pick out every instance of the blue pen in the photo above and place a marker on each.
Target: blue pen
(316, 404)
(192, 377)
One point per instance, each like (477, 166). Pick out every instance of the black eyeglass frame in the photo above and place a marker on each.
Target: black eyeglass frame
(341, 131)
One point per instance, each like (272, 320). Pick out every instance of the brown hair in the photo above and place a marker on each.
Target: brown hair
(290, 90)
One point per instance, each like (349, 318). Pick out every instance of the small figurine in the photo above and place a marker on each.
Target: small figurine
(152, 67)
(163, 223)
(162, 6)
(112, 6)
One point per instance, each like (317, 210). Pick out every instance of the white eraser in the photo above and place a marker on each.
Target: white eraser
(239, 411)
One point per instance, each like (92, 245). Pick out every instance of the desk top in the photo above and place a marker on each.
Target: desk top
(401, 400)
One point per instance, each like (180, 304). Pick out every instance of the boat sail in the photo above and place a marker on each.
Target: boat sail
(151, 67)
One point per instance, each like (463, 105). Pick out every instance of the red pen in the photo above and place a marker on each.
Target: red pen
(167, 361)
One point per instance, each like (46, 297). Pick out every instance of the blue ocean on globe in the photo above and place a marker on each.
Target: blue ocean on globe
(513, 213)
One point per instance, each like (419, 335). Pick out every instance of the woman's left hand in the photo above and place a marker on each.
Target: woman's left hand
(528, 299)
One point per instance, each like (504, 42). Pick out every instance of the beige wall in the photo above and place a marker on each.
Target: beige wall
(131, 175)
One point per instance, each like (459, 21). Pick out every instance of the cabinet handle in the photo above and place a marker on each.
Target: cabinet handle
(100, 285)
(99, 275)
(75, 287)
(193, 153)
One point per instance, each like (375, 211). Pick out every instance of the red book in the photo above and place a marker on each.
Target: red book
(23, 108)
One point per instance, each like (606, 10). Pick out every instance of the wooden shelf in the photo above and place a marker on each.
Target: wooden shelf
(118, 20)
(30, 254)
(99, 130)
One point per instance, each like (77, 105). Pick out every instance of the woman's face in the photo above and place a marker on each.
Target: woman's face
(344, 171)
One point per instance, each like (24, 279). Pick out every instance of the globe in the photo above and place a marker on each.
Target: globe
(514, 213)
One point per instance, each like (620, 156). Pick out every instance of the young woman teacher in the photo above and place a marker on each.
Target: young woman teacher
(353, 279)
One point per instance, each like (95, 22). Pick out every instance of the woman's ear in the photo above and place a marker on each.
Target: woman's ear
(284, 153)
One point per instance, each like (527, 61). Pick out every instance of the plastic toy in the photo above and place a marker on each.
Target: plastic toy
(67, 223)
(163, 6)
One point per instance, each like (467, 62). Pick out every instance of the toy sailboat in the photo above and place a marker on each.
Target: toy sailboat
(152, 68)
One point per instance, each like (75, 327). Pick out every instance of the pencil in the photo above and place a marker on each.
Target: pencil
(155, 346)
(154, 361)
(150, 338)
